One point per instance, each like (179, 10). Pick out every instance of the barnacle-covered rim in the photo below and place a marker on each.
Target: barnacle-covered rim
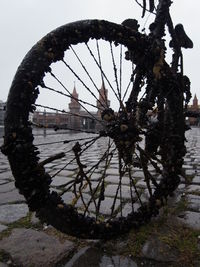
(33, 181)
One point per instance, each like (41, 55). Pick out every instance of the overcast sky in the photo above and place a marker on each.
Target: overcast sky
(24, 22)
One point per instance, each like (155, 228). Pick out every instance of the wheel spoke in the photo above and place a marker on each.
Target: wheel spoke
(115, 73)
(118, 190)
(102, 77)
(65, 112)
(83, 83)
(148, 176)
(76, 100)
(132, 184)
(66, 141)
(71, 97)
(120, 74)
(85, 69)
(88, 144)
(101, 180)
(103, 74)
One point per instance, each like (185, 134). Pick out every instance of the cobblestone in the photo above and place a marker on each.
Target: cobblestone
(60, 181)
(12, 212)
(7, 187)
(196, 180)
(191, 219)
(157, 250)
(193, 202)
(193, 189)
(2, 227)
(11, 197)
(13, 207)
(30, 248)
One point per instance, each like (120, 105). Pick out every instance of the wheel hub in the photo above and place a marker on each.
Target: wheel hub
(121, 127)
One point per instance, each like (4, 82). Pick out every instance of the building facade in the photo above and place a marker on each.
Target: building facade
(76, 118)
(195, 107)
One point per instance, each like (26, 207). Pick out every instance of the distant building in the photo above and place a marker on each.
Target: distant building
(76, 117)
(195, 107)
(2, 112)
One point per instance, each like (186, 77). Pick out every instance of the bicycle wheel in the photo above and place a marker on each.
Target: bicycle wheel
(109, 169)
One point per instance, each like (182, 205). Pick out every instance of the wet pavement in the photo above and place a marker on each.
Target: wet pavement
(24, 241)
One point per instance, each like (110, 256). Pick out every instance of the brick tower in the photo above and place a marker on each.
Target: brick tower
(74, 108)
(195, 103)
(103, 99)
(194, 107)
(102, 104)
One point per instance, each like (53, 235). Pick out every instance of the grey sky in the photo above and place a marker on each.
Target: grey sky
(24, 22)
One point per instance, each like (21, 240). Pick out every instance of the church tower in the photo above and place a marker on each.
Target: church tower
(74, 108)
(102, 104)
(103, 99)
(195, 103)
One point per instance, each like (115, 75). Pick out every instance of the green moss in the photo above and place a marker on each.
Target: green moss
(169, 231)
(137, 239)
(25, 222)
(188, 178)
(185, 242)
(180, 206)
(61, 236)
(178, 237)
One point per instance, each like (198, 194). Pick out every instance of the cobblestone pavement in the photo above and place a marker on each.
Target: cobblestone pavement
(25, 242)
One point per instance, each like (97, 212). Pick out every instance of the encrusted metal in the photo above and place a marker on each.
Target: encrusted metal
(165, 85)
